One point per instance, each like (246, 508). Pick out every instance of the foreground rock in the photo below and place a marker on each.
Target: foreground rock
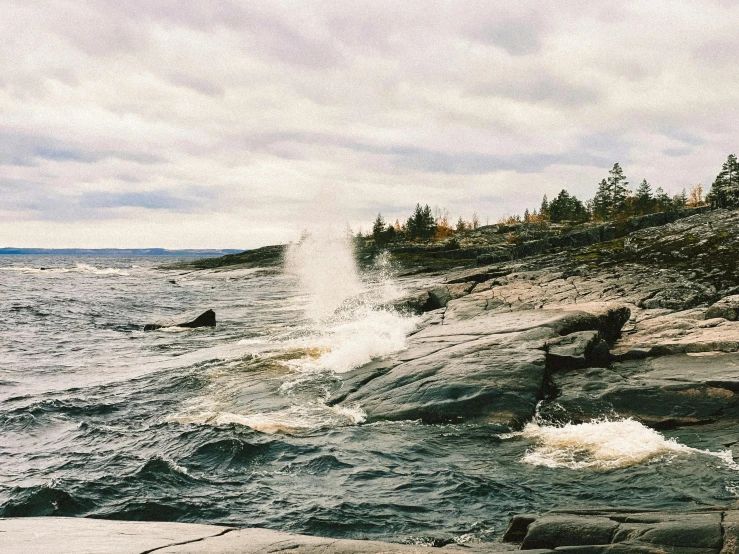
(596, 531)
(95, 536)
(614, 531)
(206, 319)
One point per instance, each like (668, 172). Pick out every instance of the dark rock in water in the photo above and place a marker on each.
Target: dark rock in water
(612, 531)
(727, 308)
(206, 319)
(517, 528)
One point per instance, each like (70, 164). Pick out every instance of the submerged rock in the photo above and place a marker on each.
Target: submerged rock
(206, 319)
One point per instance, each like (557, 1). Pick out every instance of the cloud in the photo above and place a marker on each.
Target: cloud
(259, 116)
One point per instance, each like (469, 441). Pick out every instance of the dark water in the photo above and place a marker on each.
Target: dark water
(99, 419)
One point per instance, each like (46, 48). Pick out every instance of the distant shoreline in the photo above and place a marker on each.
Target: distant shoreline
(205, 252)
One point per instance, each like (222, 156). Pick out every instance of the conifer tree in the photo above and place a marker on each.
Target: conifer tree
(602, 202)
(644, 203)
(662, 200)
(617, 189)
(725, 189)
(544, 209)
(421, 224)
(566, 207)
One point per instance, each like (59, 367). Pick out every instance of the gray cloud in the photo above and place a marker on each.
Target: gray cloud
(519, 36)
(237, 117)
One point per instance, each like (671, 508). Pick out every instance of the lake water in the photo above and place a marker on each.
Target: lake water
(227, 425)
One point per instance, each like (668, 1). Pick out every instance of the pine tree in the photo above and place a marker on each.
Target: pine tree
(421, 224)
(461, 225)
(725, 189)
(544, 209)
(526, 215)
(378, 226)
(617, 189)
(379, 233)
(662, 200)
(567, 208)
(644, 203)
(602, 202)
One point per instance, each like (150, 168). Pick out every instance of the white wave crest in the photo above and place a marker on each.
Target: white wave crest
(351, 322)
(79, 268)
(290, 421)
(602, 445)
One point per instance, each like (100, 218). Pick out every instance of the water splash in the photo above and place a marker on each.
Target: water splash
(326, 272)
(602, 445)
(351, 321)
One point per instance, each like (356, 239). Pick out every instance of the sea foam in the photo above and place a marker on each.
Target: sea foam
(602, 445)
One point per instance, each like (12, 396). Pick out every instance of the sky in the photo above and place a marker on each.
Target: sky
(236, 124)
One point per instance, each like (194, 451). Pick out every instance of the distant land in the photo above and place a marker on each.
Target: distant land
(201, 253)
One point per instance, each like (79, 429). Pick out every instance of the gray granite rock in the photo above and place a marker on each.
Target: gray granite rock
(47, 535)
(711, 531)
(62, 535)
(727, 308)
(660, 392)
(490, 367)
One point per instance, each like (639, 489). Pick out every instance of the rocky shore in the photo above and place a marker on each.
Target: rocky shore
(644, 325)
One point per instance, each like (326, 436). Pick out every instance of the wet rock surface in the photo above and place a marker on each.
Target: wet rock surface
(490, 367)
(606, 531)
(661, 304)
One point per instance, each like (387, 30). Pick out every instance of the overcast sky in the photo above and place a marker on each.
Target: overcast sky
(234, 124)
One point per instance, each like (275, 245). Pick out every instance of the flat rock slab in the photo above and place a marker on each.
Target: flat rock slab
(490, 367)
(62, 535)
(57, 535)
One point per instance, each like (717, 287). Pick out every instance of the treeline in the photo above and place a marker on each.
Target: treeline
(613, 201)
(421, 225)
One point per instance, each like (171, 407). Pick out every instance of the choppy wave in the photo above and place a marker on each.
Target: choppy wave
(78, 268)
(602, 445)
(294, 420)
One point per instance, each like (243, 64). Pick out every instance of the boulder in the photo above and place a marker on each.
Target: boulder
(727, 308)
(206, 319)
(622, 531)
(577, 350)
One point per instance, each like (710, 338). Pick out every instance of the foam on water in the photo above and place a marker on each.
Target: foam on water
(602, 445)
(289, 421)
(78, 268)
(347, 324)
